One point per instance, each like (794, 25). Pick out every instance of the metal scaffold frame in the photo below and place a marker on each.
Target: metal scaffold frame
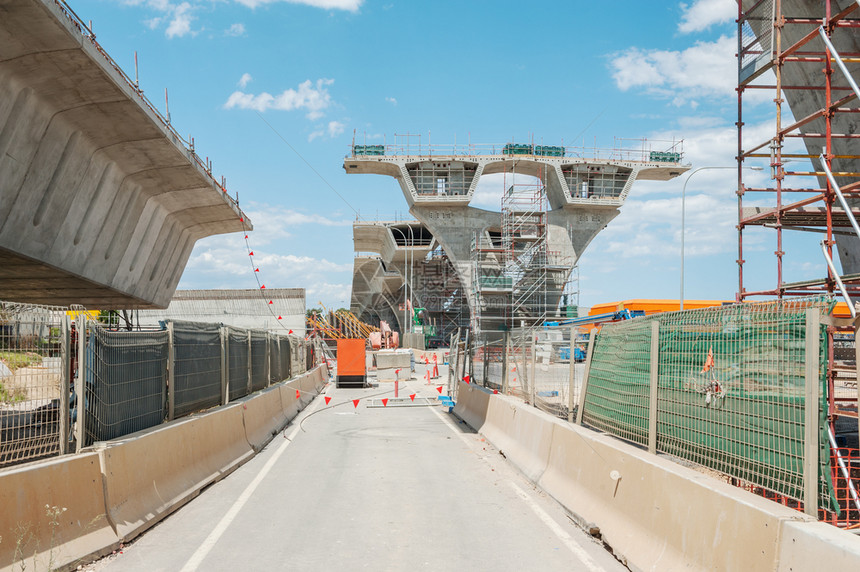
(756, 55)
(790, 45)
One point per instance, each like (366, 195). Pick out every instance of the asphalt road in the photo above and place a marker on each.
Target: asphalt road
(345, 488)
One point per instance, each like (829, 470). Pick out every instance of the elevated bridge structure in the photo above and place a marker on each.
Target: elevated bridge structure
(584, 190)
(101, 201)
(398, 261)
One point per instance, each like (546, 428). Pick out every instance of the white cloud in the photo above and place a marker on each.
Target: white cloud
(391, 100)
(335, 128)
(706, 69)
(244, 80)
(237, 29)
(310, 96)
(347, 5)
(703, 14)
(180, 25)
(153, 23)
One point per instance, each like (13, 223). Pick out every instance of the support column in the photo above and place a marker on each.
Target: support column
(225, 365)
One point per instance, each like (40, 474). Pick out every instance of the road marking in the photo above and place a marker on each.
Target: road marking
(208, 544)
(451, 426)
(557, 529)
(560, 532)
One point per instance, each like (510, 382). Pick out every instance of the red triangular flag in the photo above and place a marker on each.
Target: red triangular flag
(466, 379)
(385, 402)
(495, 392)
(270, 302)
(396, 371)
(246, 237)
(439, 389)
(709, 362)
(263, 286)
(290, 332)
(256, 269)
(298, 394)
(241, 219)
(412, 397)
(327, 399)
(280, 318)
(251, 253)
(355, 403)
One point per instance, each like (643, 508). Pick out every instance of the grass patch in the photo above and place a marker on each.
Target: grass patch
(16, 360)
(13, 395)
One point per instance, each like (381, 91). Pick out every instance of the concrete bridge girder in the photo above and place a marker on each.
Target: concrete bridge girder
(96, 192)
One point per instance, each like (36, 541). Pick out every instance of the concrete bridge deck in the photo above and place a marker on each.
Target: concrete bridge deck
(407, 488)
(101, 202)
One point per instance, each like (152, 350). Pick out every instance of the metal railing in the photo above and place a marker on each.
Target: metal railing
(646, 152)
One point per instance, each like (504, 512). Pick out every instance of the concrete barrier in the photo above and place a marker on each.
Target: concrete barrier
(82, 529)
(264, 416)
(150, 474)
(290, 403)
(472, 404)
(523, 434)
(816, 546)
(657, 514)
(654, 513)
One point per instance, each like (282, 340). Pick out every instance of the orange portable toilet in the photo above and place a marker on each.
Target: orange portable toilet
(351, 356)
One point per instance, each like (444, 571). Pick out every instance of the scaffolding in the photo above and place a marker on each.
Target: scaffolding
(811, 49)
(512, 266)
(796, 48)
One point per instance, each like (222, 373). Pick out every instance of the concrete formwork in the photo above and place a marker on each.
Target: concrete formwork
(100, 201)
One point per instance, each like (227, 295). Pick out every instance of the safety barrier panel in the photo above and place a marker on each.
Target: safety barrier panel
(141, 487)
(654, 513)
(523, 434)
(472, 404)
(53, 513)
(264, 417)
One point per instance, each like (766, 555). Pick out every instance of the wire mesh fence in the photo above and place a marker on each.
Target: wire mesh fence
(33, 381)
(259, 361)
(197, 366)
(125, 382)
(132, 379)
(731, 390)
(238, 369)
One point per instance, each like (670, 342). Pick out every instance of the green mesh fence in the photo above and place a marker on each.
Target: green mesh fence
(742, 415)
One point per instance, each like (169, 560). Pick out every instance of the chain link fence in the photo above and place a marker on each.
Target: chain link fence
(34, 373)
(131, 380)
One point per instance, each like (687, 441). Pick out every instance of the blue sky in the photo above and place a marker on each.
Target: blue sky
(492, 72)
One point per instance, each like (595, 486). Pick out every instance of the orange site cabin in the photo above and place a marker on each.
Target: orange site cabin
(351, 359)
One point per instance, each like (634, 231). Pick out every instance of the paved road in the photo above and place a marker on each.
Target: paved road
(346, 488)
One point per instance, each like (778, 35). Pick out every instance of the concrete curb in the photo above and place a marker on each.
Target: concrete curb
(654, 513)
